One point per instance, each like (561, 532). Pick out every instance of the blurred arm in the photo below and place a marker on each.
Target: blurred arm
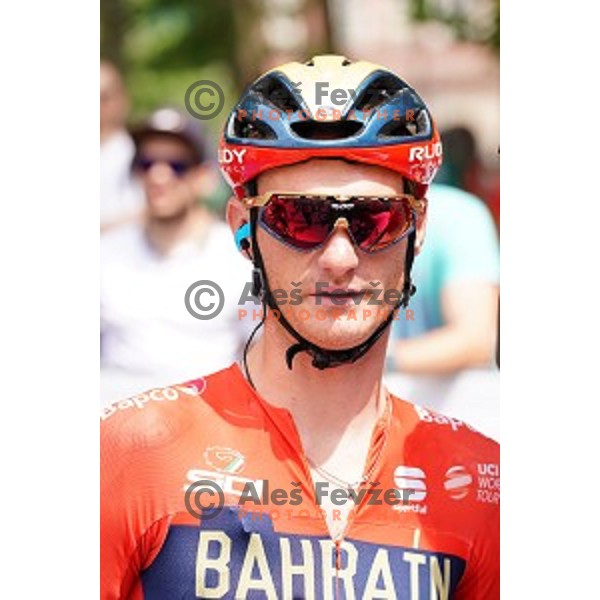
(463, 281)
(132, 217)
(466, 340)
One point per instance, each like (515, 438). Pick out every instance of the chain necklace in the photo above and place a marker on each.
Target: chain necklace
(333, 479)
(322, 471)
(367, 476)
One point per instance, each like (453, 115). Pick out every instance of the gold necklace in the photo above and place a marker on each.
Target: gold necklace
(333, 479)
(337, 480)
(324, 472)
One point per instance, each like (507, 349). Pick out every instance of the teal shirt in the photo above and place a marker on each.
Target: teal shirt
(461, 244)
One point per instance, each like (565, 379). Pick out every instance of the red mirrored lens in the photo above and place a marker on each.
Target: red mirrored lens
(377, 223)
(301, 221)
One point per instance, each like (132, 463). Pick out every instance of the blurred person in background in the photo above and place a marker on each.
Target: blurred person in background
(463, 169)
(148, 336)
(454, 318)
(460, 158)
(121, 199)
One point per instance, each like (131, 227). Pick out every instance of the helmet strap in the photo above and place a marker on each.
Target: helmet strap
(322, 358)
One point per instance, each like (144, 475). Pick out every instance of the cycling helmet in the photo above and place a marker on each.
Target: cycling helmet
(290, 115)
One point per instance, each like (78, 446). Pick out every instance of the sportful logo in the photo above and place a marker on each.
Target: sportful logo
(411, 478)
(410, 482)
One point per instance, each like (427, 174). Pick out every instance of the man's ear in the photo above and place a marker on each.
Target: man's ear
(237, 217)
(421, 228)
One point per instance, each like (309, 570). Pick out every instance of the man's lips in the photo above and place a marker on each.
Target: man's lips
(340, 292)
(339, 296)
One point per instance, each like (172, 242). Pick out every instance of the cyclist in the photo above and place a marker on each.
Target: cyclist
(297, 474)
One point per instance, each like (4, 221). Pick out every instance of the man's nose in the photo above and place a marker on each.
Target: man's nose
(339, 255)
(160, 172)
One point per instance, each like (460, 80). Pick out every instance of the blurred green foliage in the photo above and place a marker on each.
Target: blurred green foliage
(457, 16)
(162, 47)
(163, 34)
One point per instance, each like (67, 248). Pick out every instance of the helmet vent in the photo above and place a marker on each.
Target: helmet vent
(406, 127)
(379, 91)
(253, 130)
(276, 93)
(320, 130)
(398, 129)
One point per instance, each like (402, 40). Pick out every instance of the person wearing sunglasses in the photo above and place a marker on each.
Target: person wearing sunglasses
(121, 200)
(296, 474)
(147, 336)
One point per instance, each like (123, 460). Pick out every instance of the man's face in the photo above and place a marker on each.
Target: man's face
(338, 264)
(171, 179)
(113, 100)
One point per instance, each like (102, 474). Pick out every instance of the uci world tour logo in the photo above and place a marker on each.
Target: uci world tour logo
(225, 460)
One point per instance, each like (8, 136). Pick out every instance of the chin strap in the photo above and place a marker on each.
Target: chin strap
(322, 358)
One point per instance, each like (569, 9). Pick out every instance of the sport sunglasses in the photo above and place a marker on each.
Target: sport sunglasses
(179, 167)
(305, 221)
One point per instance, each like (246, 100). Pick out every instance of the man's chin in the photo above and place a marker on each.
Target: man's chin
(337, 334)
(163, 212)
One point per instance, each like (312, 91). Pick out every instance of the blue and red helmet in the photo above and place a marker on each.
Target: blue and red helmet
(330, 107)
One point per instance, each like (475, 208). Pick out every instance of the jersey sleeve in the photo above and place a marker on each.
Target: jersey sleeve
(462, 469)
(133, 519)
(117, 541)
(146, 445)
(482, 577)
(481, 580)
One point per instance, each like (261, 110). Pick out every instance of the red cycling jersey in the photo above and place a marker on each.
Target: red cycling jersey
(425, 526)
